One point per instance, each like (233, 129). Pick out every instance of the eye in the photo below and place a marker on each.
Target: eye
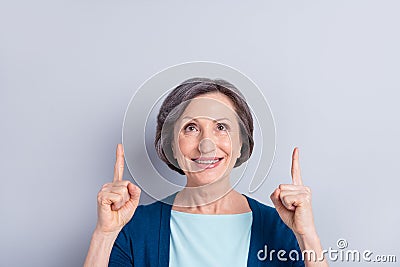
(191, 127)
(222, 127)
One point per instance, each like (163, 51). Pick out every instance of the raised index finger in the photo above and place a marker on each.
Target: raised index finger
(296, 175)
(119, 164)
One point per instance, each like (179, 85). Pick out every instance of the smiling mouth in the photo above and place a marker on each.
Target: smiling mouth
(207, 163)
(207, 160)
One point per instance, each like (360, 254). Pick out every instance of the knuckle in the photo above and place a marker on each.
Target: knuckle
(105, 189)
(122, 191)
(104, 186)
(121, 183)
(100, 197)
(120, 199)
(285, 199)
(306, 197)
(126, 195)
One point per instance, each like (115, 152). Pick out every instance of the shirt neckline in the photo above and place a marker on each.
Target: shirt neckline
(210, 215)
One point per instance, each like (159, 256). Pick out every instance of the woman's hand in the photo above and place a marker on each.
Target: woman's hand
(293, 202)
(116, 204)
(116, 201)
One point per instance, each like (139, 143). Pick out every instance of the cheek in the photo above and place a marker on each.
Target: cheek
(185, 146)
(235, 145)
(226, 144)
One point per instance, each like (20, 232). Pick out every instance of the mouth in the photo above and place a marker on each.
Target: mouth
(207, 163)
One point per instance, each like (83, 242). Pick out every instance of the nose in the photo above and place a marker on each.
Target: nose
(207, 146)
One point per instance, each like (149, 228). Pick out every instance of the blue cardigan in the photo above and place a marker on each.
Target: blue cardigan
(145, 239)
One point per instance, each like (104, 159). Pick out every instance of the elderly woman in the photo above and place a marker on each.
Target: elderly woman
(204, 130)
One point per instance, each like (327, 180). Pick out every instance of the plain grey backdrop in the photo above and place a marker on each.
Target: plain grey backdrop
(329, 69)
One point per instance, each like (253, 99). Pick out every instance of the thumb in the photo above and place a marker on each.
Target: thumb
(130, 206)
(134, 192)
(276, 200)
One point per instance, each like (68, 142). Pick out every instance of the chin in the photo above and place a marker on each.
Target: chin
(204, 177)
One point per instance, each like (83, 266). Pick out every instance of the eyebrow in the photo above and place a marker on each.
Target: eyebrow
(220, 119)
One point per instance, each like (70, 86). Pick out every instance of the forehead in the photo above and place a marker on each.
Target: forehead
(212, 105)
(217, 96)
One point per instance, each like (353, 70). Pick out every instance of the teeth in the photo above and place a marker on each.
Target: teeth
(207, 161)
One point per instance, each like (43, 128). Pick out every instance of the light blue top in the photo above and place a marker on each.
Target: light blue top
(199, 240)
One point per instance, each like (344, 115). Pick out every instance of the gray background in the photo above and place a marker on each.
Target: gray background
(330, 71)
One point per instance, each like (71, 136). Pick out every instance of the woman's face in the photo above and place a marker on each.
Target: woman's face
(207, 139)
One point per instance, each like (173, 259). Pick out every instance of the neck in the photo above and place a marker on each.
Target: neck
(216, 198)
